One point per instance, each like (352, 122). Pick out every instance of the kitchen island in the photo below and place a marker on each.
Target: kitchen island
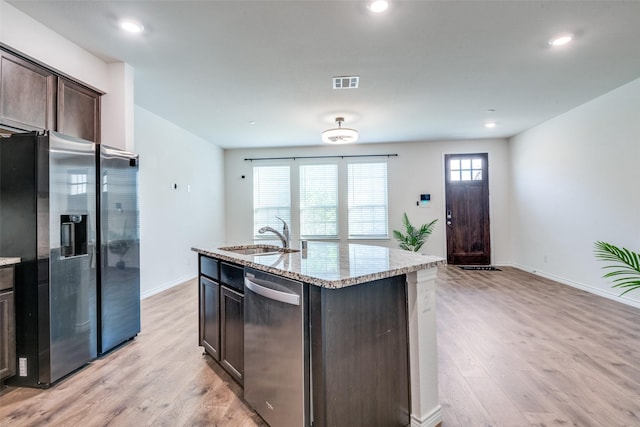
(369, 332)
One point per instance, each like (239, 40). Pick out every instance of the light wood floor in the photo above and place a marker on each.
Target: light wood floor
(514, 350)
(517, 350)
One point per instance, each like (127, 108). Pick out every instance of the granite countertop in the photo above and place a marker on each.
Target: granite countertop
(8, 261)
(332, 265)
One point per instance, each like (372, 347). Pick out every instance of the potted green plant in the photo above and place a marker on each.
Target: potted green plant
(414, 237)
(625, 269)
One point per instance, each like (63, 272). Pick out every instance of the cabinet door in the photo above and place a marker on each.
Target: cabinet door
(27, 94)
(210, 316)
(78, 111)
(232, 331)
(7, 335)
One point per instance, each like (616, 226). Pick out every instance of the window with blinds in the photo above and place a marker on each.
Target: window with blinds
(271, 197)
(319, 201)
(367, 188)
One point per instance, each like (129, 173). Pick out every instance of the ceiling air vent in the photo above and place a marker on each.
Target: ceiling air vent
(346, 82)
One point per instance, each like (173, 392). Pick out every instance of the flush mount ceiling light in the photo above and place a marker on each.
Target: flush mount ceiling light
(339, 135)
(131, 26)
(561, 39)
(490, 125)
(378, 6)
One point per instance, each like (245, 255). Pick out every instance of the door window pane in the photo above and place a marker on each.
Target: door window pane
(466, 169)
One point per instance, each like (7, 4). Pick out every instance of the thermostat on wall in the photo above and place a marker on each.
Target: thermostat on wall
(424, 200)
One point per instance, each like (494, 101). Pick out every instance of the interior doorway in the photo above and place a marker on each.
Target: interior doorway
(467, 209)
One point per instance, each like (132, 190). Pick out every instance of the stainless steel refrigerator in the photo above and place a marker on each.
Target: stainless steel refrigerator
(119, 248)
(48, 218)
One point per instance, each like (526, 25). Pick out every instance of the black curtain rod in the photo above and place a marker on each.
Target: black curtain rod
(320, 157)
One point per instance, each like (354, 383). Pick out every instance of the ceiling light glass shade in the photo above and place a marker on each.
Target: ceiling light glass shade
(378, 6)
(131, 26)
(561, 39)
(339, 135)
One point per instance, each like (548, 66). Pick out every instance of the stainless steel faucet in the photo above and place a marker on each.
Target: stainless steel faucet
(284, 236)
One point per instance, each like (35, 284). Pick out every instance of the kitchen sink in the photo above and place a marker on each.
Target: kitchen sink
(257, 250)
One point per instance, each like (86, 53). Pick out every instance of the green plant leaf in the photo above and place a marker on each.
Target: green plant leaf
(413, 238)
(626, 265)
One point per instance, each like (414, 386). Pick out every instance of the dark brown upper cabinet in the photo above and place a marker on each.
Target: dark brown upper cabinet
(78, 111)
(27, 94)
(32, 97)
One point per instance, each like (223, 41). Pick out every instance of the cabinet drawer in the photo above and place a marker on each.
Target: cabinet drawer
(6, 278)
(232, 276)
(209, 267)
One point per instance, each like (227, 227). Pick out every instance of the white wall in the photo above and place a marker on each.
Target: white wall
(419, 168)
(575, 181)
(173, 221)
(23, 33)
(117, 108)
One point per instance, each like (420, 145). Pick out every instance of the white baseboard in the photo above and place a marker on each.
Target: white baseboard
(606, 294)
(432, 419)
(165, 286)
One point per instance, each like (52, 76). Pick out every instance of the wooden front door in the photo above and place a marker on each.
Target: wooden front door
(467, 209)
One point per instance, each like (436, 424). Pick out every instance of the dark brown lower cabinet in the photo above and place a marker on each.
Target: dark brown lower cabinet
(222, 314)
(7, 335)
(232, 332)
(210, 316)
(359, 354)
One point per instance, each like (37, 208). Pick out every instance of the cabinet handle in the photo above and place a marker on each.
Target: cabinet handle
(293, 299)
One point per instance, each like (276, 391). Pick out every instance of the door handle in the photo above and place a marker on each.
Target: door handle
(287, 298)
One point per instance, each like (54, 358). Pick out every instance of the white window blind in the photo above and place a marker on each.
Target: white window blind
(271, 197)
(367, 184)
(319, 200)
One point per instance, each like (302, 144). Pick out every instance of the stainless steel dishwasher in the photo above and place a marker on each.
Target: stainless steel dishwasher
(276, 343)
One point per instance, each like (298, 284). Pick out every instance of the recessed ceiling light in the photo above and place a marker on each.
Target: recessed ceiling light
(490, 125)
(561, 39)
(131, 26)
(378, 6)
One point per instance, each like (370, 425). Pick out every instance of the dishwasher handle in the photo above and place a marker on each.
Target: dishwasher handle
(285, 297)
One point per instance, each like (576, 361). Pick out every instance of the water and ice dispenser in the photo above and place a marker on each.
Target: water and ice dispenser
(73, 235)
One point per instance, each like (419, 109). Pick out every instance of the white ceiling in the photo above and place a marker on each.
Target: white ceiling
(429, 70)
